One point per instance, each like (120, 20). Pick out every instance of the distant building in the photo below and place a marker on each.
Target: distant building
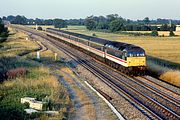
(178, 28)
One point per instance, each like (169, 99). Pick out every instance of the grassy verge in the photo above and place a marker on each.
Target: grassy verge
(38, 82)
(172, 77)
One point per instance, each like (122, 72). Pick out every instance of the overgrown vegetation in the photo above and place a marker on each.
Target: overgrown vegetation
(31, 79)
(154, 33)
(3, 32)
(172, 77)
(171, 33)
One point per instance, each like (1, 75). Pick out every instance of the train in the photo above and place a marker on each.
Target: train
(127, 58)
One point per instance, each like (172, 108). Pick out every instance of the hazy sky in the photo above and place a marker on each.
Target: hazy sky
(133, 9)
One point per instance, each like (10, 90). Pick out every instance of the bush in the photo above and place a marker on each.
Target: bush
(93, 34)
(13, 73)
(26, 104)
(154, 33)
(171, 33)
(39, 28)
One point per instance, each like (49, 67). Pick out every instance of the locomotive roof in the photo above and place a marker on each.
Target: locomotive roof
(112, 44)
(122, 46)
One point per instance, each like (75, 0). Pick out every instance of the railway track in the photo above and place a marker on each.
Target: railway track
(152, 108)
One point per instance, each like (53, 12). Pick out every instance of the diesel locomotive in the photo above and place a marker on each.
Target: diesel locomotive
(127, 58)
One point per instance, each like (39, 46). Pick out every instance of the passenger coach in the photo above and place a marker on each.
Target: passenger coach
(127, 58)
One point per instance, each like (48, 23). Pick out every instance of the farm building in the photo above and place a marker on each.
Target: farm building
(177, 27)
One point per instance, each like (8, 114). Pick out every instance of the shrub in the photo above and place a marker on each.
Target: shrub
(94, 34)
(13, 73)
(39, 28)
(154, 33)
(172, 77)
(26, 104)
(171, 33)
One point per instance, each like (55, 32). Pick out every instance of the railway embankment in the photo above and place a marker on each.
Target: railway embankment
(22, 77)
(44, 79)
(164, 70)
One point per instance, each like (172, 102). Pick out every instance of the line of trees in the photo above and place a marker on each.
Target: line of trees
(114, 22)
(22, 20)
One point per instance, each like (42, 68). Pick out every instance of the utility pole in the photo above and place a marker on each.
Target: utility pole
(170, 22)
(36, 27)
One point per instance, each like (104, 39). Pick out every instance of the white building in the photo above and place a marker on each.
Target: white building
(38, 105)
(178, 28)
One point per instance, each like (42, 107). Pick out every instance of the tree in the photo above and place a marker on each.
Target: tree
(59, 23)
(48, 22)
(164, 27)
(19, 20)
(10, 18)
(39, 28)
(171, 33)
(39, 21)
(146, 21)
(112, 17)
(154, 33)
(102, 25)
(90, 23)
(3, 30)
(116, 25)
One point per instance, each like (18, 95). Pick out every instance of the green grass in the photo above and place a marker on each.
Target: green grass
(38, 82)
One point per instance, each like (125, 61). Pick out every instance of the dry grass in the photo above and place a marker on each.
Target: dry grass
(17, 43)
(172, 77)
(87, 109)
(46, 80)
(38, 82)
(161, 33)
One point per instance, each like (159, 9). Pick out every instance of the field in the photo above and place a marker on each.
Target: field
(160, 33)
(37, 82)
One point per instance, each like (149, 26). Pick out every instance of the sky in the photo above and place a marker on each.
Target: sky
(67, 9)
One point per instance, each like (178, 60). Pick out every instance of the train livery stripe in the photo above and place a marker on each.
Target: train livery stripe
(116, 58)
(98, 52)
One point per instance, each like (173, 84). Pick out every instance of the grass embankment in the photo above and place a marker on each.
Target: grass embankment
(162, 51)
(172, 77)
(38, 82)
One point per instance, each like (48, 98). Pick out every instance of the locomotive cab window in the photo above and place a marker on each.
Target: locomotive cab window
(124, 55)
(136, 54)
